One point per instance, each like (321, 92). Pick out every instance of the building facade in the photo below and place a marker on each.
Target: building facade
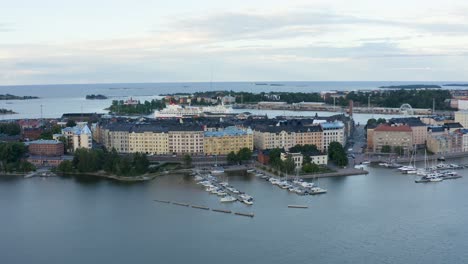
(332, 132)
(462, 118)
(186, 141)
(45, 148)
(78, 137)
(298, 158)
(149, 142)
(229, 139)
(393, 136)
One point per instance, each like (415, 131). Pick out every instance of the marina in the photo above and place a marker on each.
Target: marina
(223, 189)
(296, 185)
(166, 226)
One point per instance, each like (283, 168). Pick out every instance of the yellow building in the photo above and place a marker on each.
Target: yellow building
(149, 141)
(312, 135)
(186, 140)
(230, 139)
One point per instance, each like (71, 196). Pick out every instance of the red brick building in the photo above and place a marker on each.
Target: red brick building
(45, 148)
(32, 133)
(263, 157)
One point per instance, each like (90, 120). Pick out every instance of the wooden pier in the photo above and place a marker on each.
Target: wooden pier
(298, 206)
(205, 208)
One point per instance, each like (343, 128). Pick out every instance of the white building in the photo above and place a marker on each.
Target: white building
(298, 158)
(77, 137)
(332, 131)
(319, 159)
(462, 118)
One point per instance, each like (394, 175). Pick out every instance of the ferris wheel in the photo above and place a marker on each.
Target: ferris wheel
(406, 109)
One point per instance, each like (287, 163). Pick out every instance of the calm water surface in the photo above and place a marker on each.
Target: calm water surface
(70, 98)
(383, 217)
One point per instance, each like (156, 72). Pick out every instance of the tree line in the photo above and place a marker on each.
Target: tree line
(95, 160)
(11, 154)
(145, 108)
(243, 154)
(395, 98)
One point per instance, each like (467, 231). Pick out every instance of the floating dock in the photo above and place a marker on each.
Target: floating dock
(245, 214)
(298, 206)
(221, 211)
(200, 207)
(205, 208)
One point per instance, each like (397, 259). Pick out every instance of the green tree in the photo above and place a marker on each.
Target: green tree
(10, 128)
(187, 160)
(70, 123)
(386, 149)
(381, 121)
(399, 150)
(140, 163)
(275, 158)
(25, 166)
(337, 154)
(288, 165)
(244, 154)
(65, 166)
(310, 168)
(232, 158)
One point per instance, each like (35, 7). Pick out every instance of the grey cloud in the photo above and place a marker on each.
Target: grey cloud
(5, 27)
(230, 26)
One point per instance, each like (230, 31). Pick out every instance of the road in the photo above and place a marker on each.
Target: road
(358, 144)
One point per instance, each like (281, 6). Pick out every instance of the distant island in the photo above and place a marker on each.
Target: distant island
(15, 97)
(95, 97)
(4, 111)
(457, 84)
(412, 86)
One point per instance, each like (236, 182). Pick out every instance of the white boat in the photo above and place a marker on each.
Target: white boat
(227, 199)
(221, 193)
(198, 178)
(217, 170)
(307, 184)
(435, 179)
(250, 170)
(178, 111)
(247, 202)
(259, 175)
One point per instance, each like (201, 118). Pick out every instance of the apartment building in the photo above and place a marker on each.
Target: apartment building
(79, 136)
(393, 136)
(226, 140)
(186, 139)
(148, 139)
(332, 132)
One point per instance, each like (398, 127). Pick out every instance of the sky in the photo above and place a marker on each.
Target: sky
(111, 41)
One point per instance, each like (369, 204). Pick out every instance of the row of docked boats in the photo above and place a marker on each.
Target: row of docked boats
(226, 192)
(437, 176)
(297, 185)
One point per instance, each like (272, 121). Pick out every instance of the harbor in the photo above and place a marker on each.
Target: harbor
(222, 188)
(385, 196)
(207, 208)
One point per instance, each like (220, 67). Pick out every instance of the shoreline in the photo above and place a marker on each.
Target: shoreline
(338, 173)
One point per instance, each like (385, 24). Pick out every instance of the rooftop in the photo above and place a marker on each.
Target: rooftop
(43, 142)
(228, 131)
(389, 128)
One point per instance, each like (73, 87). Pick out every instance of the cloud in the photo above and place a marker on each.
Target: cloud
(288, 45)
(5, 27)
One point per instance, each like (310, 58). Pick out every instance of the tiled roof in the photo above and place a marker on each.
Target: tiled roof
(388, 128)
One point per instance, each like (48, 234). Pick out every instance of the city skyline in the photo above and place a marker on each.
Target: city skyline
(183, 41)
